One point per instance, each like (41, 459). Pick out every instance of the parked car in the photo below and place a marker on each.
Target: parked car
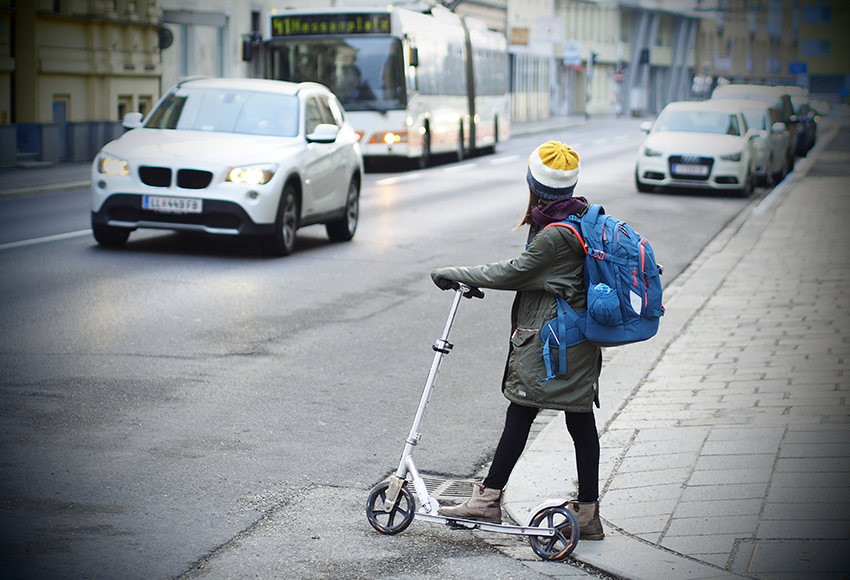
(807, 116)
(246, 157)
(776, 97)
(700, 145)
(771, 143)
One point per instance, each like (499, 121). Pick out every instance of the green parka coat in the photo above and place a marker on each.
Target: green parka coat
(552, 264)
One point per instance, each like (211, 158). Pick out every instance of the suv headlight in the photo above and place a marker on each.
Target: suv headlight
(732, 157)
(112, 165)
(649, 152)
(252, 174)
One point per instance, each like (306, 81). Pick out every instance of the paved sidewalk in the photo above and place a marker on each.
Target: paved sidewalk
(726, 439)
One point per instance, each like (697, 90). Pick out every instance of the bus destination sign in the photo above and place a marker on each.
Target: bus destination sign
(330, 24)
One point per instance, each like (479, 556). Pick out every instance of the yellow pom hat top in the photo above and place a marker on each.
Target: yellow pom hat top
(553, 170)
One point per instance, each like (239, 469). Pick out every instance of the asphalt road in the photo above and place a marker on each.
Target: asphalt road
(174, 399)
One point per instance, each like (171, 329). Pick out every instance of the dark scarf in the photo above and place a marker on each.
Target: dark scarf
(558, 211)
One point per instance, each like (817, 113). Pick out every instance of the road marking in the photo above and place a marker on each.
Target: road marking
(399, 179)
(621, 137)
(45, 239)
(599, 141)
(506, 159)
(463, 167)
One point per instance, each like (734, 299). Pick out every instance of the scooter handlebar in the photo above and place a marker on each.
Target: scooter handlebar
(467, 291)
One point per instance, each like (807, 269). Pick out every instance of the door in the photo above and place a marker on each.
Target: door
(320, 171)
(60, 118)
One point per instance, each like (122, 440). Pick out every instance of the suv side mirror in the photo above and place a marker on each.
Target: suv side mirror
(646, 126)
(324, 133)
(132, 121)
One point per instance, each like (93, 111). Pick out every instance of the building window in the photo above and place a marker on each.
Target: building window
(817, 14)
(125, 105)
(145, 104)
(816, 47)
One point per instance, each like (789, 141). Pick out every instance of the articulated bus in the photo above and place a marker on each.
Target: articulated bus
(413, 84)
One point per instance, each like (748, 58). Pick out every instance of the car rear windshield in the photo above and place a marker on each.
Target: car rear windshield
(227, 111)
(716, 122)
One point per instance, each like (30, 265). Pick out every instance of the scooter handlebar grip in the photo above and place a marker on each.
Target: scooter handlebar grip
(471, 291)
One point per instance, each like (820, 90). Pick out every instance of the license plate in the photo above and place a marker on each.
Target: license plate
(690, 169)
(172, 204)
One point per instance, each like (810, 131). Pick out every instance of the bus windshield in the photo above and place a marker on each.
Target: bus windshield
(364, 73)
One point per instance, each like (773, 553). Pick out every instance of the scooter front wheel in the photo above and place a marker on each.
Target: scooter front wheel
(397, 518)
(564, 541)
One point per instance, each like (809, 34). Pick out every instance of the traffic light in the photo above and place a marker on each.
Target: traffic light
(593, 56)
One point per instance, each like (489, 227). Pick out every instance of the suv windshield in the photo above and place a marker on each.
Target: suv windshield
(699, 122)
(364, 73)
(227, 111)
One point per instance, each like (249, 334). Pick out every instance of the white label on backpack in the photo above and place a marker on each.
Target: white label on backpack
(635, 301)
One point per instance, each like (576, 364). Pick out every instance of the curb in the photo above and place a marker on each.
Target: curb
(620, 554)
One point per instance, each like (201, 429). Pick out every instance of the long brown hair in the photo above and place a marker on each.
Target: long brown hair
(533, 201)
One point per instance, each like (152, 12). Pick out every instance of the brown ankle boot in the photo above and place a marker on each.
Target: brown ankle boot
(587, 514)
(483, 505)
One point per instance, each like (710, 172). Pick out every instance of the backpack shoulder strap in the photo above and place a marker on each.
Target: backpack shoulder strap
(593, 212)
(572, 228)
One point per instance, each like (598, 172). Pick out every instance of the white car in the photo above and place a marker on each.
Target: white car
(771, 143)
(775, 96)
(247, 157)
(701, 145)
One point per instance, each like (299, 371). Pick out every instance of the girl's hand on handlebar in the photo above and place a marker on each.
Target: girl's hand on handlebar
(442, 283)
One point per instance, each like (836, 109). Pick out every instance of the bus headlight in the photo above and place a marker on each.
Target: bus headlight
(388, 137)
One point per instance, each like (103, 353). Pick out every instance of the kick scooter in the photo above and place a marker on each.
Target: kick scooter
(551, 528)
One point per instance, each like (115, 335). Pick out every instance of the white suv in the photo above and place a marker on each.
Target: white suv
(246, 157)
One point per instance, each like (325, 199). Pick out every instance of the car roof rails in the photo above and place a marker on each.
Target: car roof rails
(193, 78)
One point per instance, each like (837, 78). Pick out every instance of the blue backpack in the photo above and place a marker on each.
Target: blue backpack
(623, 284)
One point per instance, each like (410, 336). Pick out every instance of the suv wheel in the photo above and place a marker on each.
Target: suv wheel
(343, 229)
(110, 236)
(282, 241)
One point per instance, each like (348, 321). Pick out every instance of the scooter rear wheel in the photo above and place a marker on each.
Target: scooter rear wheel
(564, 541)
(397, 518)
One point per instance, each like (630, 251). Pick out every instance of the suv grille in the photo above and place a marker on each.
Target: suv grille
(193, 178)
(155, 176)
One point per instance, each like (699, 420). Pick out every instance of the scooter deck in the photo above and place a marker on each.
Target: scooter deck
(462, 523)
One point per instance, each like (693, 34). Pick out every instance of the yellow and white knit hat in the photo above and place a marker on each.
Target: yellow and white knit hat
(553, 171)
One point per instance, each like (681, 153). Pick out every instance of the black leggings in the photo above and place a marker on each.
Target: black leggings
(582, 428)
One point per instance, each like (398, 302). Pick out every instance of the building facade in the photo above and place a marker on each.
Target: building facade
(71, 70)
(746, 41)
(822, 61)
